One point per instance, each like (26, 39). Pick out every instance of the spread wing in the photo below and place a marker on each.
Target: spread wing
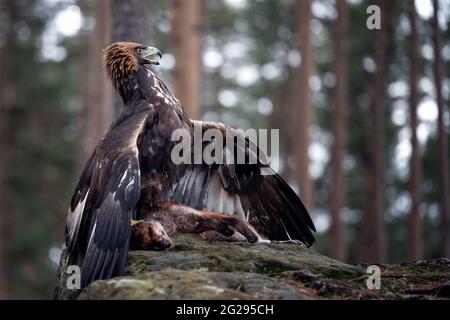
(265, 200)
(132, 161)
(98, 225)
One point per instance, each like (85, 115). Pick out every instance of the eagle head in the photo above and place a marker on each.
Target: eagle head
(123, 58)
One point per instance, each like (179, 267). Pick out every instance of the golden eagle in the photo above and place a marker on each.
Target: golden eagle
(130, 175)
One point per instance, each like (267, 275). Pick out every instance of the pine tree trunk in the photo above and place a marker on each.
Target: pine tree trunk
(287, 131)
(96, 112)
(103, 110)
(186, 37)
(131, 22)
(303, 114)
(339, 130)
(414, 223)
(96, 91)
(6, 212)
(86, 140)
(372, 224)
(442, 137)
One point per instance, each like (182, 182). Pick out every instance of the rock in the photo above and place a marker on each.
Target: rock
(192, 284)
(198, 269)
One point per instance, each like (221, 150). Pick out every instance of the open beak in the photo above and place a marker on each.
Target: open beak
(150, 55)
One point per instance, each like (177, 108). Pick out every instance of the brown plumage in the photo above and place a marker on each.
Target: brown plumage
(131, 175)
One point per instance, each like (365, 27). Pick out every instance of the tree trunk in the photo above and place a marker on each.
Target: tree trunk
(6, 101)
(372, 224)
(98, 108)
(86, 140)
(339, 130)
(414, 223)
(103, 108)
(442, 137)
(131, 22)
(304, 114)
(186, 37)
(287, 131)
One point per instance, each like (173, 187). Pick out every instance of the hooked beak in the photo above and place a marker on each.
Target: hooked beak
(149, 55)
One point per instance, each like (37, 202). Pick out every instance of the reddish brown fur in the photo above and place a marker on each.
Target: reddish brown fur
(242, 227)
(149, 234)
(154, 231)
(121, 59)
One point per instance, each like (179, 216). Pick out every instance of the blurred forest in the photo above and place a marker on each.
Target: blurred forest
(363, 114)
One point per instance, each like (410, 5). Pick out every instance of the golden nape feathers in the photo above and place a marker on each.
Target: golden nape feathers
(121, 59)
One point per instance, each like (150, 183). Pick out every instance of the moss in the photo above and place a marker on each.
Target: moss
(270, 270)
(198, 269)
(337, 273)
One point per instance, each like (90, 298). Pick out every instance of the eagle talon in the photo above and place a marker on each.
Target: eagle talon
(290, 242)
(135, 222)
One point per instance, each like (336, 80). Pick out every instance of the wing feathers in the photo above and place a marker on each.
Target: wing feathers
(100, 246)
(267, 201)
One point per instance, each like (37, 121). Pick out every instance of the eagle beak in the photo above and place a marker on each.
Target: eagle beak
(150, 54)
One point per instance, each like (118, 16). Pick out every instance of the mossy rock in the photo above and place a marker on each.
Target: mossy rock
(192, 284)
(198, 269)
